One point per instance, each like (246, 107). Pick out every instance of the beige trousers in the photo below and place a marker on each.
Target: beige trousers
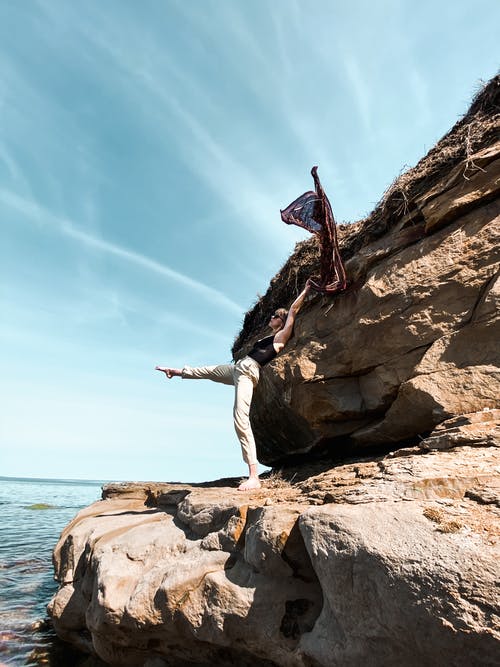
(244, 375)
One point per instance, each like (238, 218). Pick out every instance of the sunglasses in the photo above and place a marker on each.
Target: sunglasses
(276, 317)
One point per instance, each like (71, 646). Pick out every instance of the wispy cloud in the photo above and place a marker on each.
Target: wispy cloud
(360, 89)
(12, 167)
(216, 135)
(205, 155)
(241, 170)
(94, 306)
(41, 215)
(164, 89)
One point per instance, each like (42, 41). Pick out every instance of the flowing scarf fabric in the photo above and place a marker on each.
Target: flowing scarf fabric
(313, 212)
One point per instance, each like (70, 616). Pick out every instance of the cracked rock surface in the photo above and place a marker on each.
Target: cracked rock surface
(384, 561)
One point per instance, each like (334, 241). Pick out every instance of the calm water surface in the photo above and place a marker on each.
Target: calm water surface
(32, 516)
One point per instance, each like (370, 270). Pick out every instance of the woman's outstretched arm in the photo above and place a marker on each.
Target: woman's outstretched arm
(283, 335)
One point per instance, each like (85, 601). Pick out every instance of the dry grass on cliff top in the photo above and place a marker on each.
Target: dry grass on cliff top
(476, 130)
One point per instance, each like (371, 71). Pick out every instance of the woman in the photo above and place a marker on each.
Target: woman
(244, 375)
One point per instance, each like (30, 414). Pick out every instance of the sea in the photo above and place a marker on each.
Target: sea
(33, 513)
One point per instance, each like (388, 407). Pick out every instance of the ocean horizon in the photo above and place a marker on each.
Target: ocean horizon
(57, 480)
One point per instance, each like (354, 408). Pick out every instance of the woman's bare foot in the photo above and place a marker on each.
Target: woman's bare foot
(250, 484)
(169, 372)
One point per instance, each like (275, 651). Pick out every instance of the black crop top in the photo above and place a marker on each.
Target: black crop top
(263, 350)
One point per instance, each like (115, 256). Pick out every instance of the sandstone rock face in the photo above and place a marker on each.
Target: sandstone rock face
(413, 342)
(377, 562)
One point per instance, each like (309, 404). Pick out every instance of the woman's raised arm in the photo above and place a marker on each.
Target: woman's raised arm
(283, 335)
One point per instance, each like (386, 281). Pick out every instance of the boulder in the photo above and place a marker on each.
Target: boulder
(381, 562)
(413, 342)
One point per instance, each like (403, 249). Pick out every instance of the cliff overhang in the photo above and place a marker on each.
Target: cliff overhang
(414, 339)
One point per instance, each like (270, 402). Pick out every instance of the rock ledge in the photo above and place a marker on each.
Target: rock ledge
(379, 562)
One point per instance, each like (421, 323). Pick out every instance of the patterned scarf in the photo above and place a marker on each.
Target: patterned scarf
(313, 212)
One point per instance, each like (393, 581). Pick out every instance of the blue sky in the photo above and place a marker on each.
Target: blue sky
(145, 151)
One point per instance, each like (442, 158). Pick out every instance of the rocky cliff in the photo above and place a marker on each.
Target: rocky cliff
(414, 340)
(382, 547)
